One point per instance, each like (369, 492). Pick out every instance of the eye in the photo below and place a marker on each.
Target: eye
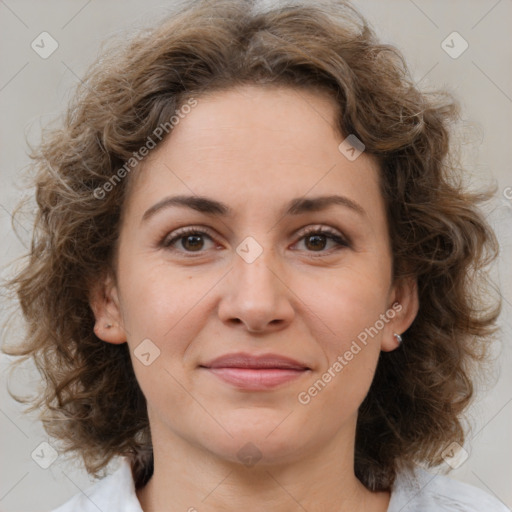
(316, 238)
(191, 239)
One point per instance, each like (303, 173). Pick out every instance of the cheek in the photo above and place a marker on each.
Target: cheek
(157, 301)
(345, 312)
(163, 313)
(345, 302)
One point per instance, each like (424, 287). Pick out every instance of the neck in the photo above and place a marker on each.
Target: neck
(188, 478)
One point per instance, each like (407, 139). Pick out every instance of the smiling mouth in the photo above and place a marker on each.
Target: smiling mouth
(256, 373)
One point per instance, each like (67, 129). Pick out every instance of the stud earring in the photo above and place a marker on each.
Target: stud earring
(398, 338)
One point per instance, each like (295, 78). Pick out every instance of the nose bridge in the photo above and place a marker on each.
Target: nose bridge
(256, 294)
(253, 265)
(253, 278)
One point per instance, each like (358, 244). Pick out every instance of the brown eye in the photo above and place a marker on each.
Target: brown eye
(186, 240)
(316, 242)
(192, 242)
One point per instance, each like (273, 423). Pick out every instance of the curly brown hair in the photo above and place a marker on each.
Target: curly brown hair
(91, 400)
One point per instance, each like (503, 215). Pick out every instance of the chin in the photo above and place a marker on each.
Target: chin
(257, 440)
(254, 451)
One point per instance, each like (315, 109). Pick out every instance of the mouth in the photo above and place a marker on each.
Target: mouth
(256, 373)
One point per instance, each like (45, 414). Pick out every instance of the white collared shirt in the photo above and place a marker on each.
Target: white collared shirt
(419, 492)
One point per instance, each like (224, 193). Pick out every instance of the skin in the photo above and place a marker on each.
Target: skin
(254, 148)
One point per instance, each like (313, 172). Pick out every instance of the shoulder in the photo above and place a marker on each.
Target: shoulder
(115, 493)
(421, 491)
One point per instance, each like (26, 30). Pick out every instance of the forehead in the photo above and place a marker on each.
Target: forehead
(265, 143)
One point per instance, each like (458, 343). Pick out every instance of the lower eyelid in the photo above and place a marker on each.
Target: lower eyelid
(340, 243)
(339, 239)
(328, 233)
(168, 243)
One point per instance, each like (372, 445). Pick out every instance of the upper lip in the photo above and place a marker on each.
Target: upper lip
(244, 360)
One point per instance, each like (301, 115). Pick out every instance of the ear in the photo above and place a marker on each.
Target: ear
(104, 302)
(404, 302)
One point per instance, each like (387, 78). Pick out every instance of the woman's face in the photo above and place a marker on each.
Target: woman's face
(270, 269)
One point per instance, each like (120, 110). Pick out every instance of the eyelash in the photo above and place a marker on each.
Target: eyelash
(342, 242)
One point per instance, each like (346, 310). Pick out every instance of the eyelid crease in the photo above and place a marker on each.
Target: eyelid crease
(186, 231)
(324, 229)
(332, 233)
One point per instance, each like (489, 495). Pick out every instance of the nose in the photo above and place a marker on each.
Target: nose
(256, 295)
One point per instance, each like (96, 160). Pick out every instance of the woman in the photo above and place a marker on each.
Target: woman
(253, 276)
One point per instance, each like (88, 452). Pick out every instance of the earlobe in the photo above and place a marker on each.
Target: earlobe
(104, 302)
(405, 303)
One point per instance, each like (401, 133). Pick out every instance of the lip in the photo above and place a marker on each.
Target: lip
(256, 372)
(251, 361)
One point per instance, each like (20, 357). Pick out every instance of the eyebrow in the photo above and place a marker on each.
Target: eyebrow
(209, 206)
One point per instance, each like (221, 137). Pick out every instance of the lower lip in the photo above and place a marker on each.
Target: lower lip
(253, 379)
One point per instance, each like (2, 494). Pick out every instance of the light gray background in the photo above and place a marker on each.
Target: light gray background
(33, 90)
